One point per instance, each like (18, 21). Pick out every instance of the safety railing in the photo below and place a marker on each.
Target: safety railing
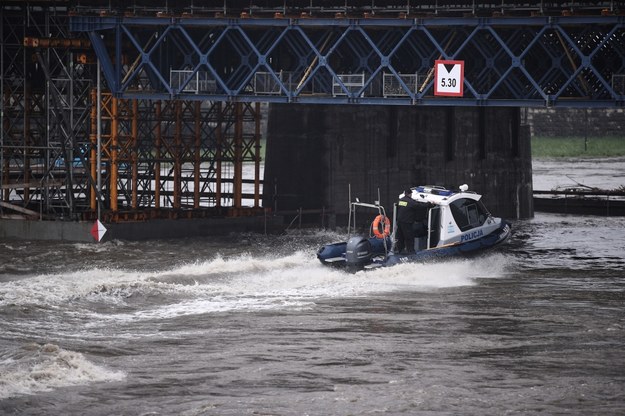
(353, 84)
(200, 82)
(618, 83)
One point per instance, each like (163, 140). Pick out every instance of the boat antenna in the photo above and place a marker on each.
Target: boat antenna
(349, 217)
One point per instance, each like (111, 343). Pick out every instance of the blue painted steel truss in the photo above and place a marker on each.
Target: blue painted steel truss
(567, 61)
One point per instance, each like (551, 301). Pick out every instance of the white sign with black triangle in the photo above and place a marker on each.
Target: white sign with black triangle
(449, 78)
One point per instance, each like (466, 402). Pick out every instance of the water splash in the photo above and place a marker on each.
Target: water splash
(242, 282)
(298, 282)
(36, 368)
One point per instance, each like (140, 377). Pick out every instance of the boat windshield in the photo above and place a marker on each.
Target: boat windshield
(468, 213)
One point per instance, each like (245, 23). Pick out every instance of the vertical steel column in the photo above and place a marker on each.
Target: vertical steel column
(93, 155)
(106, 146)
(196, 155)
(238, 156)
(98, 158)
(157, 156)
(219, 153)
(133, 155)
(177, 155)
(113, 150)
(257, 155)
(26, 137)
(4, 162)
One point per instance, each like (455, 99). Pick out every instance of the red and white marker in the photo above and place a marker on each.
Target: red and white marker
(98, 230)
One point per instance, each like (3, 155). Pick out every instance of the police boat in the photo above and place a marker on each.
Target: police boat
(457, 225)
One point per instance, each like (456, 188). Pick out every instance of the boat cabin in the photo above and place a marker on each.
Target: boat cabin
(457, 217)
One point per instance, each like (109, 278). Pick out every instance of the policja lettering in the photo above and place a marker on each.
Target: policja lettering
(471, 236)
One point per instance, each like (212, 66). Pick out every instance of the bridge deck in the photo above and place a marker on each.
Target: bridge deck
(319, 8)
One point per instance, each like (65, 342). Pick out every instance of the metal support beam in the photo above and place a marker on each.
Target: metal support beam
(548, 61)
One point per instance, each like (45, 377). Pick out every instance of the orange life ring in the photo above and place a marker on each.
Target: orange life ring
(376, 226)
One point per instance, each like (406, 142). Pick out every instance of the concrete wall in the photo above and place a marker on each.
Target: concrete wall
(576, 122)
(46, 230)
(316, 153)
(134, 231)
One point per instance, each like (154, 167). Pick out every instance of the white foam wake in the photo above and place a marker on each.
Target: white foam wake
(37, 368)
(240, 283)
(298, 282)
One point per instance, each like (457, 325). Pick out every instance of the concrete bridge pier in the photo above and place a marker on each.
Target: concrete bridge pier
(316, 153)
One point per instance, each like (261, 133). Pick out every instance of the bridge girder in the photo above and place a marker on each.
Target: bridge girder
(566, 61)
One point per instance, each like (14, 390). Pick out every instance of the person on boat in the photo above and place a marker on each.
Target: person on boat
(411, 222)
(406, 215)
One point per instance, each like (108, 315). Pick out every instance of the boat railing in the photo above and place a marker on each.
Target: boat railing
(351, 224)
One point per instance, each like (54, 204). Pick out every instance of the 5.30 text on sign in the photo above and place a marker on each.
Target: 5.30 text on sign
(449, 78)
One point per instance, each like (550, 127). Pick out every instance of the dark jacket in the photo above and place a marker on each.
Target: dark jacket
(409, 210)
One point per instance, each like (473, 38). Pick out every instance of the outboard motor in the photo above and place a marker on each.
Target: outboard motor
(358, 253)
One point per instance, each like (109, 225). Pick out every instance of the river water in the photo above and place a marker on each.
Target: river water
(255, 325)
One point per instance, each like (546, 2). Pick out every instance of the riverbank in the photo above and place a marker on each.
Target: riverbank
(555, 173)
(578, 147)
(570, 185)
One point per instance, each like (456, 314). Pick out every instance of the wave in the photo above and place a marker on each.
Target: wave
(298, 282)
(44, 367)
(243, 282)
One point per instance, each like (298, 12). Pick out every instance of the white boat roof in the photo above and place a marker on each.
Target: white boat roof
(439, 195)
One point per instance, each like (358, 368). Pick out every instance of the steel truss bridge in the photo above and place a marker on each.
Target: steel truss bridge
(368, 58)
(179, 115)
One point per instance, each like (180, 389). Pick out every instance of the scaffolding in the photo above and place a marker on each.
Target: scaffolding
(173, 159)
(157, 158)
(45, 114)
